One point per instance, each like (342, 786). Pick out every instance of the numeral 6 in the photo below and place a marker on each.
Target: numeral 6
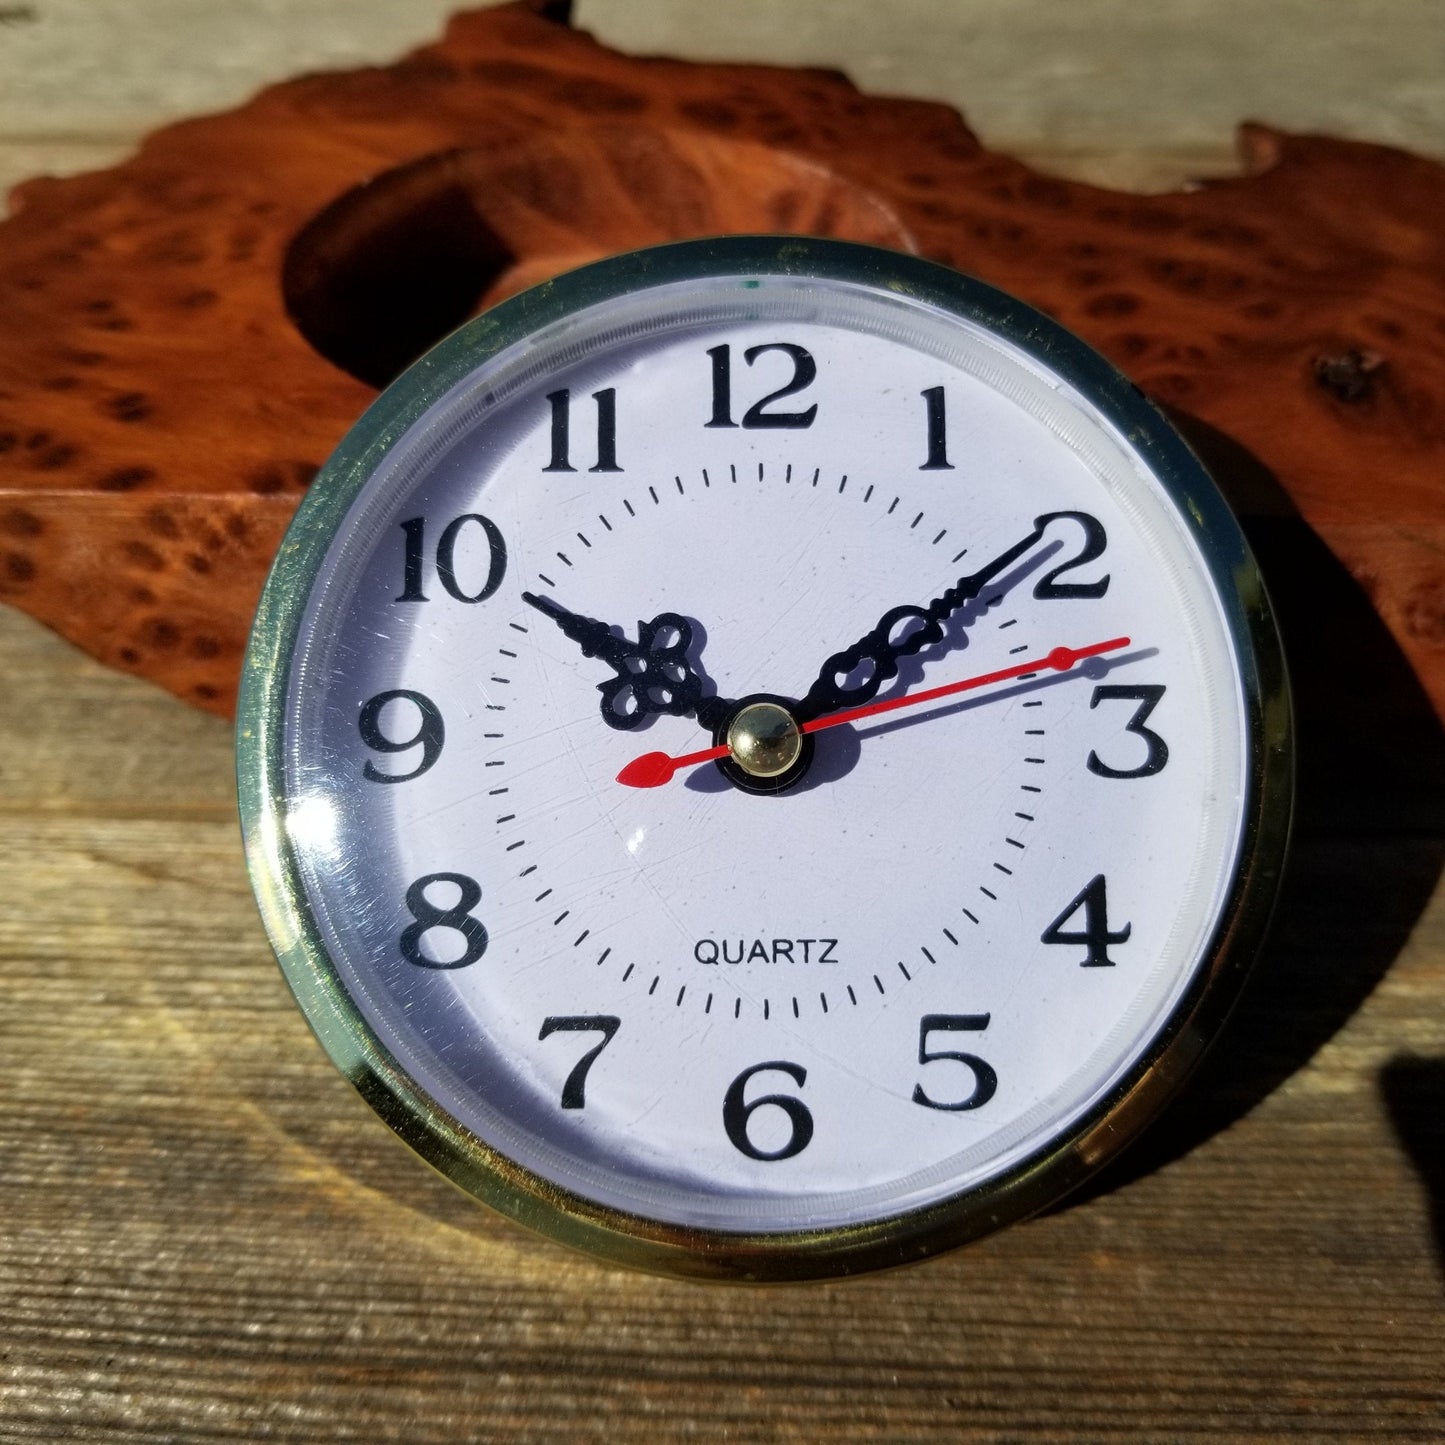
(737, 1112)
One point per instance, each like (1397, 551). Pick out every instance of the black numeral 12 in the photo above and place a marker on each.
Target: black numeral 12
(805, 370)
(561, 403)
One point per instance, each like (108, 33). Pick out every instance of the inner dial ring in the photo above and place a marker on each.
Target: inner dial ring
(762, 972)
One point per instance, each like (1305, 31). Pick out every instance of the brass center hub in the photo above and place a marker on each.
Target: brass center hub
(764, 740)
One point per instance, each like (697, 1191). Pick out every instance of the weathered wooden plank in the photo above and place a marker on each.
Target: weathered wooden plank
(206, 1235)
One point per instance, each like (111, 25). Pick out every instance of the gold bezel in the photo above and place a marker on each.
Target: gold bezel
(712, 1254)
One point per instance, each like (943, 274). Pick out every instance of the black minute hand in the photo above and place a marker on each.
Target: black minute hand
(829, 694)
(652, 675)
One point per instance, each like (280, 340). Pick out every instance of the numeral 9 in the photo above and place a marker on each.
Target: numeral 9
(429, 735)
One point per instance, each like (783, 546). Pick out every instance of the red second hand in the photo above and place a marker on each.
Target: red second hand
(652, 770)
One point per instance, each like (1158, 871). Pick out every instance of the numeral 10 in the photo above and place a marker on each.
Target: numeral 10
(414, 559)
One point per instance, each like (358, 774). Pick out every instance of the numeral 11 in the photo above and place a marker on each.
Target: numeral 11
(561, 403)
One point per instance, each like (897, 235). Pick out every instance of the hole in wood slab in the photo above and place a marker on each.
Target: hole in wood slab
(390, 267)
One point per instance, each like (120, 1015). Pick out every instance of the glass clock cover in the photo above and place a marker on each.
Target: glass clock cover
(764, 758)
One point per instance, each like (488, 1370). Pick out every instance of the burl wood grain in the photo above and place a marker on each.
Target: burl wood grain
(183, 338)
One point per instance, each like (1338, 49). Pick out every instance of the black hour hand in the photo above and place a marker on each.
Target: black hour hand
(653, 674)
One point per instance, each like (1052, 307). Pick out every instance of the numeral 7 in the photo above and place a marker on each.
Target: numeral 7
(573, 1091)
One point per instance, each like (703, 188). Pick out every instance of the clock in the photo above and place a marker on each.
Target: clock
(764, 758)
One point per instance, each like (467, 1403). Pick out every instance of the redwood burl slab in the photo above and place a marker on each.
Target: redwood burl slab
(184, 337)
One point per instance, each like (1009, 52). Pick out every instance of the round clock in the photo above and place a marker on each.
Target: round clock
(764, 758)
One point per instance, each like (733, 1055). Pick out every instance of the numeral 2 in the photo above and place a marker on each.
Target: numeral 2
(561, 403)
(805, 369)
(1049, 588)
(574, 1090)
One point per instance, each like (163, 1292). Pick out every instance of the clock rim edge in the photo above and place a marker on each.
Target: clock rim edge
(680, 1251)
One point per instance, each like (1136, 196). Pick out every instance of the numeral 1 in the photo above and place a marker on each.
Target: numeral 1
(561, 403)
(722, 385)
(937, 432)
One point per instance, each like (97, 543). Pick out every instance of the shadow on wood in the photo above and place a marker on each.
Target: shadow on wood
(1369, 822)
(1414, 1092)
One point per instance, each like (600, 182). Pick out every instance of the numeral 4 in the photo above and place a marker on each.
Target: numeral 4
(1095, 935)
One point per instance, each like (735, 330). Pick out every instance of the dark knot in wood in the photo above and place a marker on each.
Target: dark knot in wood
(1349, 375)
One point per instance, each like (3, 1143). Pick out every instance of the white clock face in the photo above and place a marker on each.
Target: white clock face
(728, 1001)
